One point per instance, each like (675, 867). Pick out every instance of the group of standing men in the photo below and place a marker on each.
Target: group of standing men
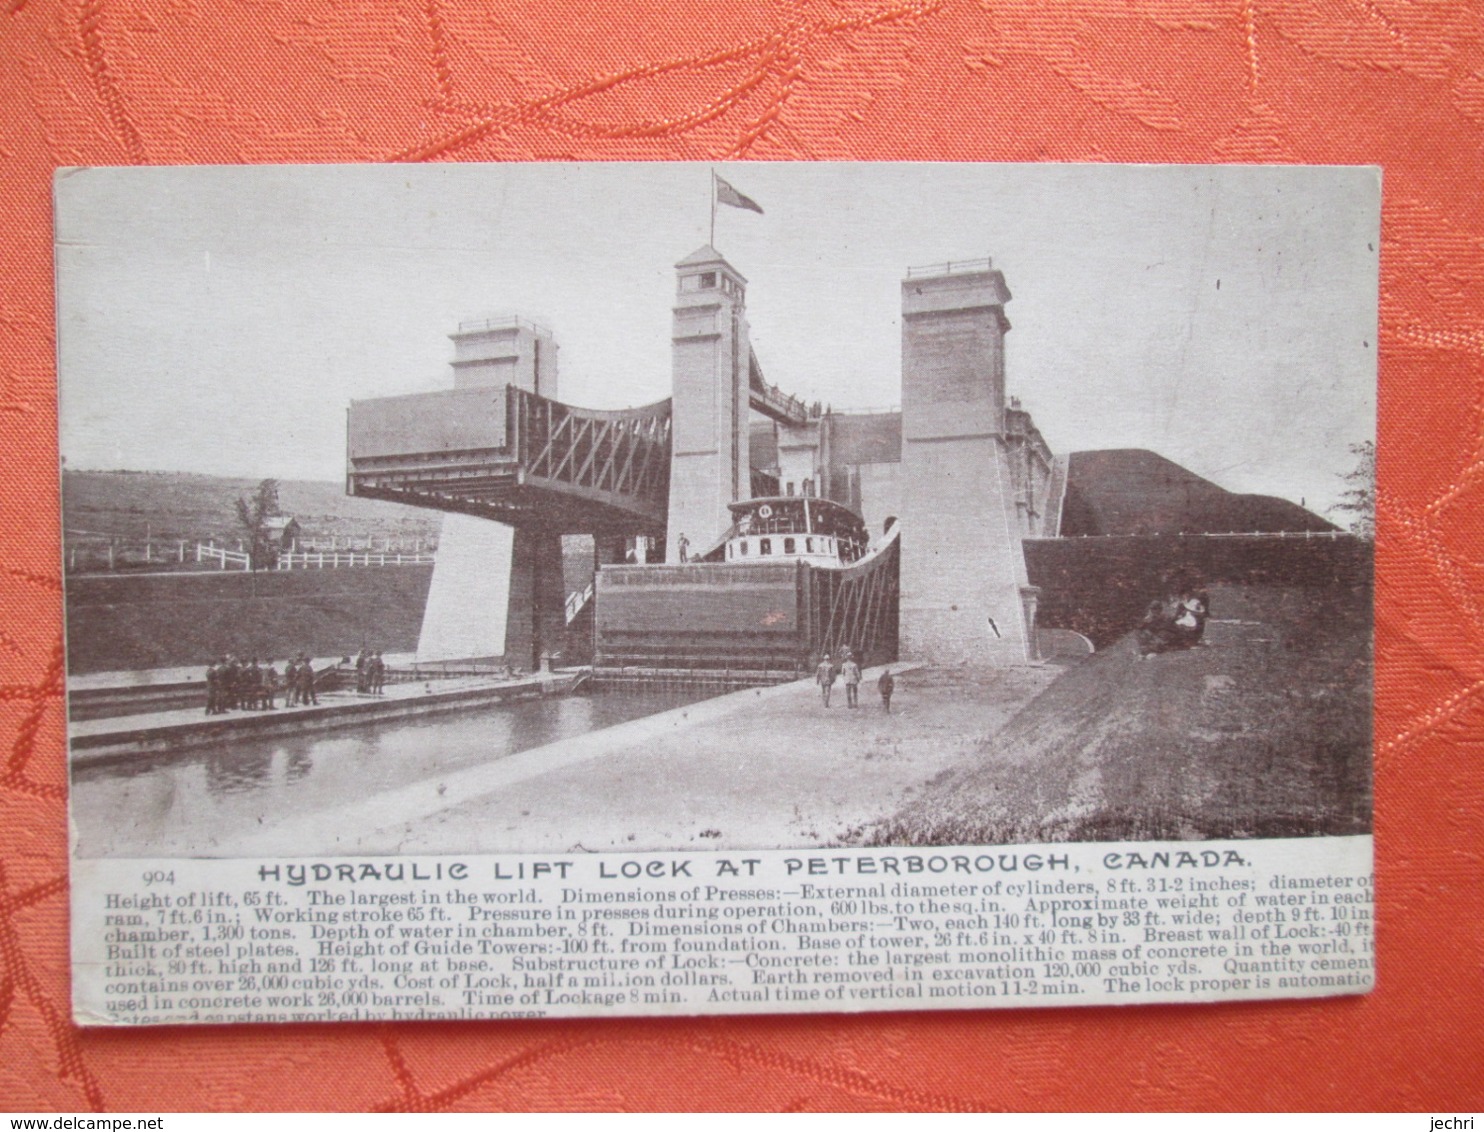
(231, 685)
(370, 673)
(850, 671)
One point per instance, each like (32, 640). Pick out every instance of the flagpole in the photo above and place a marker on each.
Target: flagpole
(712, 241)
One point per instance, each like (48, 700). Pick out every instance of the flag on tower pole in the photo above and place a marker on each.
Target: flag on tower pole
(724, 193)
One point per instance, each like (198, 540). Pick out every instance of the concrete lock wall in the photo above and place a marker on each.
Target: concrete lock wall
(798, 458)
(1100, 587)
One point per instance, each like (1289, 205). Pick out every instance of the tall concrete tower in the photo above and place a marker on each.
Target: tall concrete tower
(964, 591)
(497, 592)
(710, 465)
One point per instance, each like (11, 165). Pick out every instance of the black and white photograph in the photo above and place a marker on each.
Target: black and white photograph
(565, 508)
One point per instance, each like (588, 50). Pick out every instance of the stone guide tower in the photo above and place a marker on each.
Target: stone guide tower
(497, 352)
(709, 462)
(964, 591)
(496, 591)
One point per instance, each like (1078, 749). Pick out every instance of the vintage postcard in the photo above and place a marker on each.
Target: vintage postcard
(556, 590)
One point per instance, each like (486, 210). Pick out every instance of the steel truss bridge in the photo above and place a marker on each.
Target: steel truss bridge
(552, 467)
(546, 465)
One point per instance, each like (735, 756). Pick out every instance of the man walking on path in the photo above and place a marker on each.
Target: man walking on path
(886, 685)
(852, 673)
(824, 675)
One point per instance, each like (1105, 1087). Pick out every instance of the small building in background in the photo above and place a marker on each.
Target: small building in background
(283, 530)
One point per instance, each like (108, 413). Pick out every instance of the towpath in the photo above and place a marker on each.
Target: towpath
(150, 732)
(759, 768)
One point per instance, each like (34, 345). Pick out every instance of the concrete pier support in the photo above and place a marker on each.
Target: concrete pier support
(468, 608)
(965, 596)
(497, 592)
(536, 624)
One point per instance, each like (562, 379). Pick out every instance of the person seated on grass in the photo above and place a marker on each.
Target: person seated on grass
(1191, 611)
(1174, 623)
(1153, 633)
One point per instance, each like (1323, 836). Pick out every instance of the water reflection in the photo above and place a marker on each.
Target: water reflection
(300, 763)
(228, 773)
(165, 804)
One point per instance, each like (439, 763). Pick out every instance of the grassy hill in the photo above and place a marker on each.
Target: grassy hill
(1265, 733)
(182, 505)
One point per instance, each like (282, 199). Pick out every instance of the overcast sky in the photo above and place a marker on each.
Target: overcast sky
(220, 319)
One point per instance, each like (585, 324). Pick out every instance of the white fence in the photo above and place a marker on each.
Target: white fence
(224, 558)
(313, 560)
(335, 559)
(89, 553)
(94, 554)
(386, 545)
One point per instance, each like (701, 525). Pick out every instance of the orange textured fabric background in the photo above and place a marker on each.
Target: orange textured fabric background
(1390, 82)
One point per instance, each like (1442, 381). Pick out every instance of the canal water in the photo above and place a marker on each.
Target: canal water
(183, 803)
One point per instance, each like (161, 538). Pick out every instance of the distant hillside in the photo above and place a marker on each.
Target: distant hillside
(1131, 491)
(182, 505)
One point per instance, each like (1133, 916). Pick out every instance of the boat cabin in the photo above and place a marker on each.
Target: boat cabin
(795, 528)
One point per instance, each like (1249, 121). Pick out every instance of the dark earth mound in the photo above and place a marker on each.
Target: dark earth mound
(1131, 491)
